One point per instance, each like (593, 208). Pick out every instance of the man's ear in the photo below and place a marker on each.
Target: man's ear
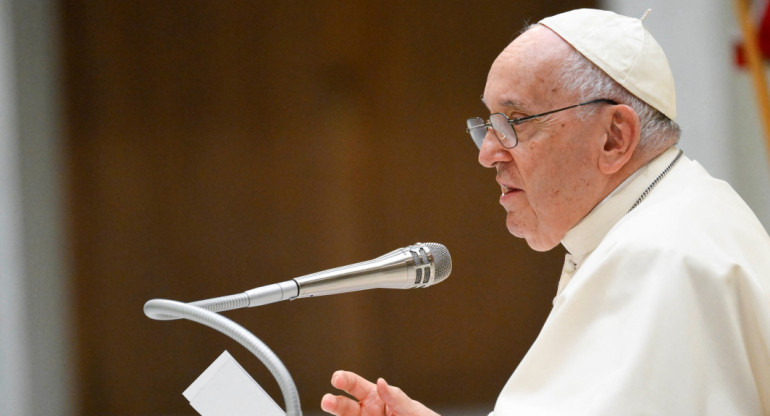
(621, 140)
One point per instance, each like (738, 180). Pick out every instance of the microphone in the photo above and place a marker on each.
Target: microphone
(418, 265)
(414, 266)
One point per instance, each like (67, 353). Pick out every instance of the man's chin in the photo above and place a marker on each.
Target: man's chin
(540, 246)
(535, 242)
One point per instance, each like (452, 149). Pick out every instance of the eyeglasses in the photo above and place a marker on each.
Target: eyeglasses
(503, 126)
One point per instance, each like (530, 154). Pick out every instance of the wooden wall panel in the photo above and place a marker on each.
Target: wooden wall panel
(218, 146)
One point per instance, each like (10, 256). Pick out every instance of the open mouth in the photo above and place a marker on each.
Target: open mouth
(507, 189)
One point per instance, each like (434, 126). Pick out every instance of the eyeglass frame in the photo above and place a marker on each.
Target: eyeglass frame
(516, 121)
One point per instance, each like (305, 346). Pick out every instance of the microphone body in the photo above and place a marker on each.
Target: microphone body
(414, 266)
(418, 265)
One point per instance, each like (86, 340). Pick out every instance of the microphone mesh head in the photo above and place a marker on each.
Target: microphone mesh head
(442, 260)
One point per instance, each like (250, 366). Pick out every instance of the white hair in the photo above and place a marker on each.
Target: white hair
(589, 82)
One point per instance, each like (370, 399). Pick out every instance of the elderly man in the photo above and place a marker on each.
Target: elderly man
(663, 304)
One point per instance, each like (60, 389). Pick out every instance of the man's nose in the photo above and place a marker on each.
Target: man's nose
(492, 151)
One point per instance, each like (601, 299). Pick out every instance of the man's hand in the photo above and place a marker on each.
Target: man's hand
(378, 399)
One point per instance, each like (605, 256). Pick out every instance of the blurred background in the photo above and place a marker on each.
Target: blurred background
(192, 149)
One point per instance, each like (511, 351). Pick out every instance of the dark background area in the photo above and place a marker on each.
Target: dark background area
(213, 147)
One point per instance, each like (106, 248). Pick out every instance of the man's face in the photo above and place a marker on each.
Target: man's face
(550, 180)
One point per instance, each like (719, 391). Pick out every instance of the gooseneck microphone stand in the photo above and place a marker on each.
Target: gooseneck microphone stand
(418, 265)
(163, 309)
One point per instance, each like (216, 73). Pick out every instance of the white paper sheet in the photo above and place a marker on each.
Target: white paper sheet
(226, 389)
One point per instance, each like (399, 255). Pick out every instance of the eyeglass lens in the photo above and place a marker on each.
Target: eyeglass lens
(503, 130)
(501, 126)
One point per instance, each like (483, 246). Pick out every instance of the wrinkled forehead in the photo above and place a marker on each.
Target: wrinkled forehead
(527, 72)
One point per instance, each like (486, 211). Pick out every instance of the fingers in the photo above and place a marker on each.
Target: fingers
(353, 384)
(398, 403)
(364, 392)
(329, 404)
(394, 397)
(370, 398)
(340, 405)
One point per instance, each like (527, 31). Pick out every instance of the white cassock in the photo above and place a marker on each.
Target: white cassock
(663, 310)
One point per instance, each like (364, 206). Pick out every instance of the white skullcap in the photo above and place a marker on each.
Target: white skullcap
(622, 48)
